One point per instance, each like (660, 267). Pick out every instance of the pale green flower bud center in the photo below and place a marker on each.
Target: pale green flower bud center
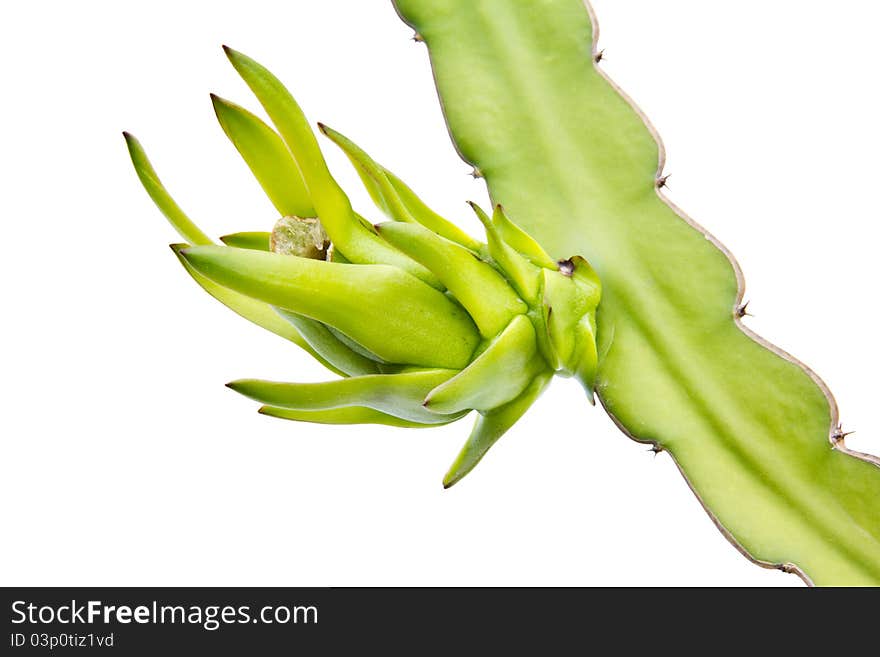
(299, 236)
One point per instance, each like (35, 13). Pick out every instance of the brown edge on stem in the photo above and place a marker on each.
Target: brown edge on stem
(741, 284)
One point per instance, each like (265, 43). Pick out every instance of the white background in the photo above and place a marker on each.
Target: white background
(126, 461)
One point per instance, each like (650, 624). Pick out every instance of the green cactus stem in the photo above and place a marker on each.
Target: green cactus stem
(578, 167)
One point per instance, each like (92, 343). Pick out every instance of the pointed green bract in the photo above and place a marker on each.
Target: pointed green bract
(329, 200)
(576, 167)
(525, 276)
(581, 357)
(348, 415)
(369, 170)
(261, 314)
(399, 395)
(566, 303)
(267, 157)
(519, 240)
(255, 240)
(585, 363)
(496, 376)
(476, 285)
(372, 187)
(392, 196)
(357, 242)
(150, 180)
(586, 278)
(329, 347)
(489, 427)
(393, 314)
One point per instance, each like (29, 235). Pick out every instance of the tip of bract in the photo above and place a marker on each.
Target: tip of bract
(451, 479)
(181, 250)
(234, 56)
(132, 143)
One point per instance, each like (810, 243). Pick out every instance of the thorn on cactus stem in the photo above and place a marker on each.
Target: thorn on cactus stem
(839, 434)
(599, 56)
(661, 181)
(656, 449)
(476, 173)
(742, 310)
(418, 38)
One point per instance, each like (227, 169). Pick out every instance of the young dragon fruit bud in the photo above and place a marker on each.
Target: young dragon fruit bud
(422, 322)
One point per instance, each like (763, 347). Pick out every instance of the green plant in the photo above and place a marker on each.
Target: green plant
(575, 165)
(423, 323)
(755, 433)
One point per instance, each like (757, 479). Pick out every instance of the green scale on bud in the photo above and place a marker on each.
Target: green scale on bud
(422, 322)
